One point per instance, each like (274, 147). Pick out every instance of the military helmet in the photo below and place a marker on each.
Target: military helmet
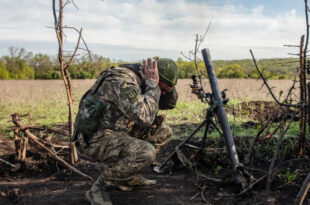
(168, 71)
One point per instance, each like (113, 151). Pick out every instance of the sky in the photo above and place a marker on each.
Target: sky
(132, 30)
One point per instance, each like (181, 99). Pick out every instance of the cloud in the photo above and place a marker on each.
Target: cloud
(167, 27)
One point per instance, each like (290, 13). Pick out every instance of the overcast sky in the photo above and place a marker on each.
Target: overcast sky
(135, 29)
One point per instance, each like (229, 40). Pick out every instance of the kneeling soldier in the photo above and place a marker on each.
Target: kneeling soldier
(117, 123)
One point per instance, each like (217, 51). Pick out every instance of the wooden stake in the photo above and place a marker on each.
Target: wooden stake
(17, 142)
(302, 114)
(24, 144)
(73, 153)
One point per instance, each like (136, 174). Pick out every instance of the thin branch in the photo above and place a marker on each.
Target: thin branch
(67, 2)
(75, 50)
(293, 54)
(197, 46)
(43, 128)
(52, 145)
(273, 172)
(260, 132)
(297, 46)
(269, 180)
(84, 42)
(195, 59)
(307, 31)
(252, 184)
(267, 85)
(60, 20)
(71, 1)
(303, 191)
(74, 4)
(186, 57)
(54, 14)
(199, 174)
(204, 35)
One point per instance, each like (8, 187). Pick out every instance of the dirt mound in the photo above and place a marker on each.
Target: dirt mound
(260, 111)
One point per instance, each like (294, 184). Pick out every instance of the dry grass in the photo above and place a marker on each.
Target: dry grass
(47, 103)
(45, 100)
(33, 91)
(238, 89)
(28, 91)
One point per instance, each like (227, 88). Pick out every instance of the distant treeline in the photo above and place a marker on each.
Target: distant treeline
(20, 64)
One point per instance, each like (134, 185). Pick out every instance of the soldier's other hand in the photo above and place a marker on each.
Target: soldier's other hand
(150, 70)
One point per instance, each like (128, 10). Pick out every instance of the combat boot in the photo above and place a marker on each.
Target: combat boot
(139, 180)
(98, 193)
(129, 184)
(118, 184)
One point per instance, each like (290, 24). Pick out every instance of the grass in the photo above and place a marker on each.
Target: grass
(45, 112)
(191, 114)
(45, 101)
(185, 113)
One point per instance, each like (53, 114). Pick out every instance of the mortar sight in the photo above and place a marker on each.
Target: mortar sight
(194, 86)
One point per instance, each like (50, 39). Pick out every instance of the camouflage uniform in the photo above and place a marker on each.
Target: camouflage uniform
(126, 130)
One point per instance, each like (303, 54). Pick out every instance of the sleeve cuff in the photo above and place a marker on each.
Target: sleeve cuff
(152, 85)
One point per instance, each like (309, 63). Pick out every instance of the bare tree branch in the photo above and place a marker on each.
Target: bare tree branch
(186, 57)
(54, 14)
(84, 42)
(293, 54)
(204, 35)
(75, 50)
(297, 46)
(267, 85)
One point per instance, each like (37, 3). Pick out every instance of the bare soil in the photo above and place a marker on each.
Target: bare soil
(42, 180)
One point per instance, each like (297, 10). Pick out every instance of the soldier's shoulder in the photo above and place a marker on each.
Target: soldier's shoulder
(123, 74)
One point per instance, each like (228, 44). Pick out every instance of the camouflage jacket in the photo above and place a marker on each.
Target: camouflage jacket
(132, 104)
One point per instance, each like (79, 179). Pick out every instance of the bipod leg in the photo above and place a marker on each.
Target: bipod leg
(160, 168)
(208, 123)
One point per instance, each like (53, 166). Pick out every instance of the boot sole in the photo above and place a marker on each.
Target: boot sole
(125, 188)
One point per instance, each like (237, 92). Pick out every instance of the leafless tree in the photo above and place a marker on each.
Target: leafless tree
(65, 62)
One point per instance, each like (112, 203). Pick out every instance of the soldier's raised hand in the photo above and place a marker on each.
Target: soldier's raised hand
(150, 70)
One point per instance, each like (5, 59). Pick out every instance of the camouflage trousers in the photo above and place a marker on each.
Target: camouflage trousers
(123, 155)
